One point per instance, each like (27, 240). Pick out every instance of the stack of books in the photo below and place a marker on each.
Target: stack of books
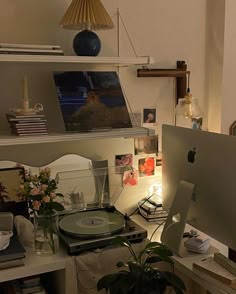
(26, 125)
(13, 255)
(8, 48)
(151, 211)
(28, 285)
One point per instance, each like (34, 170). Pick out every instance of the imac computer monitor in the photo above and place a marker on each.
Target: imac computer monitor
(208, 161)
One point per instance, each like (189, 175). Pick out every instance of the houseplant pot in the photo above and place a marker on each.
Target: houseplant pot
(142, 274)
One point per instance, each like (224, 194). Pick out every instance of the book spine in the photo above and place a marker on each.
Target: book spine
(28, 120)
(29, 46)
(17, 50)
(31, 53)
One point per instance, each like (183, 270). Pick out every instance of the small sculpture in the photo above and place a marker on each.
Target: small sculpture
(26, 110)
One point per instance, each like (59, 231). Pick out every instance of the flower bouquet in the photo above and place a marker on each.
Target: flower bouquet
(40, 193)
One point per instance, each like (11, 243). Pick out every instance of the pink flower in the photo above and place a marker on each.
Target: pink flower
(36, 204)
(35, 191)
(53, 195)
(44, 187)
(46, 199)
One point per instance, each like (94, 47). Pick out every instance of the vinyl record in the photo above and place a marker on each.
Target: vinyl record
(95, 223)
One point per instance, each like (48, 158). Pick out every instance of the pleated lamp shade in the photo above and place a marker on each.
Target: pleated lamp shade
(86, 15)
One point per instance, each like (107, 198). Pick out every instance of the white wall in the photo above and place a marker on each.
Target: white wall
(229, 80)
(214, 61)
(165, 29)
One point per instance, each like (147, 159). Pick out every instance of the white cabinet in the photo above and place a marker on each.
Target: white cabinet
(59, 269)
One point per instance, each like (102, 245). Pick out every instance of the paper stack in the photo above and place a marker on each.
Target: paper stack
(151, 211)
(8, 48)
(13, 255)
(27, 125)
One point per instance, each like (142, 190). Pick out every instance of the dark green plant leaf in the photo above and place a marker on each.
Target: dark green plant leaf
(57, 206)
(162, 251)
(153, 245)
(174, 281)
(135, 267)
(59, 195)
(107, 281)
(121, 264)
(153, 259)
(122, 241)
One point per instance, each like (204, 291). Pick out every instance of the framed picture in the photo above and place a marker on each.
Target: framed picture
(146, 145)
(10, 200)
(146, 166)
(232, 129)
(149, 115)
(123, 162)
(91, 100)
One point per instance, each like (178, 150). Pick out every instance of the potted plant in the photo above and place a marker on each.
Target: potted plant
(141, 274)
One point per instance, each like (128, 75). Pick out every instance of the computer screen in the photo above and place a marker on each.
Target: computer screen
(207, 160)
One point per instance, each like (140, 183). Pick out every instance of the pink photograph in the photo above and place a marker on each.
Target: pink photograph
(123, 162)
(130, 178)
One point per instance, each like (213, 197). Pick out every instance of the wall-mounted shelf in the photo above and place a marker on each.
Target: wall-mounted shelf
(60, 59)
(54, 138)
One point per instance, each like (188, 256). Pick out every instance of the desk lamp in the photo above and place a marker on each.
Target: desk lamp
(86, 15)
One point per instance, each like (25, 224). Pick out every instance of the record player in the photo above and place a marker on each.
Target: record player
(96, 228)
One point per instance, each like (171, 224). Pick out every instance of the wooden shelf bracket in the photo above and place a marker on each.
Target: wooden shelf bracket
(180, 73)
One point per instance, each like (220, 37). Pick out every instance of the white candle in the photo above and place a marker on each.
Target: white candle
(26, 97)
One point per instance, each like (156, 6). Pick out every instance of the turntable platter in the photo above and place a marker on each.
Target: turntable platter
(92, 223)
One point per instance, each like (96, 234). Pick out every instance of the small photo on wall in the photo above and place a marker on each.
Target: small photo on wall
(130, 178)
(146, 166)
(123, 162)
(149, 116)
(146, 145)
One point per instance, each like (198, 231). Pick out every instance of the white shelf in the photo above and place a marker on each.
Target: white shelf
(60, 59)
(53, 138)
(34, 265)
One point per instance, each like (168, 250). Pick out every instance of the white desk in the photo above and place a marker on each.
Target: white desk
(185, 265)
(61, 269)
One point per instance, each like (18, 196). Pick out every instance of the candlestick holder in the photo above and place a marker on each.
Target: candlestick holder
(26, 109)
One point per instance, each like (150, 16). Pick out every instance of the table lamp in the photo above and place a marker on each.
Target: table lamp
(86, 16)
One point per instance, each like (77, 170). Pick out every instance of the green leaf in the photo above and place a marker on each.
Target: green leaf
(57, 206)
(148, 248)
(59, 194)
(153, 245)
(153, 259)
(119, 240)
(174, 281)
(121, 264)
(162, 251)
(107, 281)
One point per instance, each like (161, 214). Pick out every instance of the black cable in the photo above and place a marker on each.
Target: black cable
(153, 233)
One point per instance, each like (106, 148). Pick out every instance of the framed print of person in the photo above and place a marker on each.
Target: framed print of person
(149, 115)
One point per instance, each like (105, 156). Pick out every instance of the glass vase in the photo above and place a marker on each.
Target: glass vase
(46, 233)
